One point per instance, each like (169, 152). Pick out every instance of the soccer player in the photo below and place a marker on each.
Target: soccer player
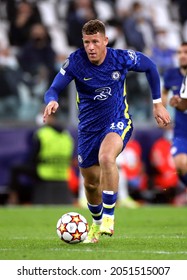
(175, 81)
(105, 125)
(180, 101)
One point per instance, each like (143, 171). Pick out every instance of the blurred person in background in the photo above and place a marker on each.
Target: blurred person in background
(46, 172)
(163, 55)
(164, 180)
(131, 172)
(10, 78)
(37, 60)
(138, 28)
(78, 13)
(21, 15)
(132, 169)
(173, 79)
(181, 11)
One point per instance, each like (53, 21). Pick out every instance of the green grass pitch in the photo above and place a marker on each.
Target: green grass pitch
(146, 233)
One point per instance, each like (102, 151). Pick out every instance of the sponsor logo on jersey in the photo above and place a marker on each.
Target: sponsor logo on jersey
(116, 75)
(132, 55)
(102, 93)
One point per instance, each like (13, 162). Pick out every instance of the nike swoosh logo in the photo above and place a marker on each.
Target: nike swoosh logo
(87, 79)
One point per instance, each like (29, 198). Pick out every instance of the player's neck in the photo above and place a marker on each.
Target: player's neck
(102, 58)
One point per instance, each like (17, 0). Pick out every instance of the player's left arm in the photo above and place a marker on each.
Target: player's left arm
(145, 64)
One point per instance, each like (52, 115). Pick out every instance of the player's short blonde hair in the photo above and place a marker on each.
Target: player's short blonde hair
(93, 26)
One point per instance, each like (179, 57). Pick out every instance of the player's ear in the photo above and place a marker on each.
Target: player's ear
(106, 41)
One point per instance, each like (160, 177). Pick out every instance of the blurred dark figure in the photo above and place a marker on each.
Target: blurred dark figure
(44, 178)
(164, 180)
(78, 13)
(37, 59)
(161, 53)
(22, 16)
(138, 28)
(10, 77)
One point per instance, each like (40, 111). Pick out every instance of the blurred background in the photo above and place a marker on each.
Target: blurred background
(35, 39)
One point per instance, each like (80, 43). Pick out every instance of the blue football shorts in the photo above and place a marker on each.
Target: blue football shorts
(179, 146)
(89, 142)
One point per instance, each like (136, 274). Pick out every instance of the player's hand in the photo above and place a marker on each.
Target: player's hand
(51, 108)
(175, 100)
(161, 115)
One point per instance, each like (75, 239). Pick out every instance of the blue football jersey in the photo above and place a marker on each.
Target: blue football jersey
(101, 95)
(173, 81)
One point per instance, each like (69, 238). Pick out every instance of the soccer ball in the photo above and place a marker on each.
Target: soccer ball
(72, 227)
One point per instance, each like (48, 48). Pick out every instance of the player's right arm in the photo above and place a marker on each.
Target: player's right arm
(62, 79)
(50, 108)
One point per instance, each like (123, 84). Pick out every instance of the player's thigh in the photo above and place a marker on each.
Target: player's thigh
(111, 146)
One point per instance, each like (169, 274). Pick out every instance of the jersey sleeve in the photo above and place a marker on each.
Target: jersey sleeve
(183, 90)
(144, 64)
(61, 80)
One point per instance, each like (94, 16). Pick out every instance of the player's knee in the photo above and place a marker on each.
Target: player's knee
(90, 187)
(106, 160)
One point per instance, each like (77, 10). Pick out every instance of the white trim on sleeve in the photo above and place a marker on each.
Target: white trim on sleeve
(159, 100)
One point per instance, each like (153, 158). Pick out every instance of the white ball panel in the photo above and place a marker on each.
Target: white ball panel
(81, 227)
(66, 219)
(67, 236)
(84, 235)
(83, 219)
(58, 233)
(71, 227)
(73, 213)
(75, 241)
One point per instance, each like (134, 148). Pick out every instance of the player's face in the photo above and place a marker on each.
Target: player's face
(95, 47)
(182, 56)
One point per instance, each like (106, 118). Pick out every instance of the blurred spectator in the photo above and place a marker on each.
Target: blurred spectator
(53, 17)
(78, 13)
(164, 178)
(133, 169)
(162, 53)
(37, 59)
(158, 14)
(44, 177)
(181, 16)
(21, 15)
(129, 164)
(141, 110)
(116, 36)
(10, 77)
(182, 10)
(138, 28)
